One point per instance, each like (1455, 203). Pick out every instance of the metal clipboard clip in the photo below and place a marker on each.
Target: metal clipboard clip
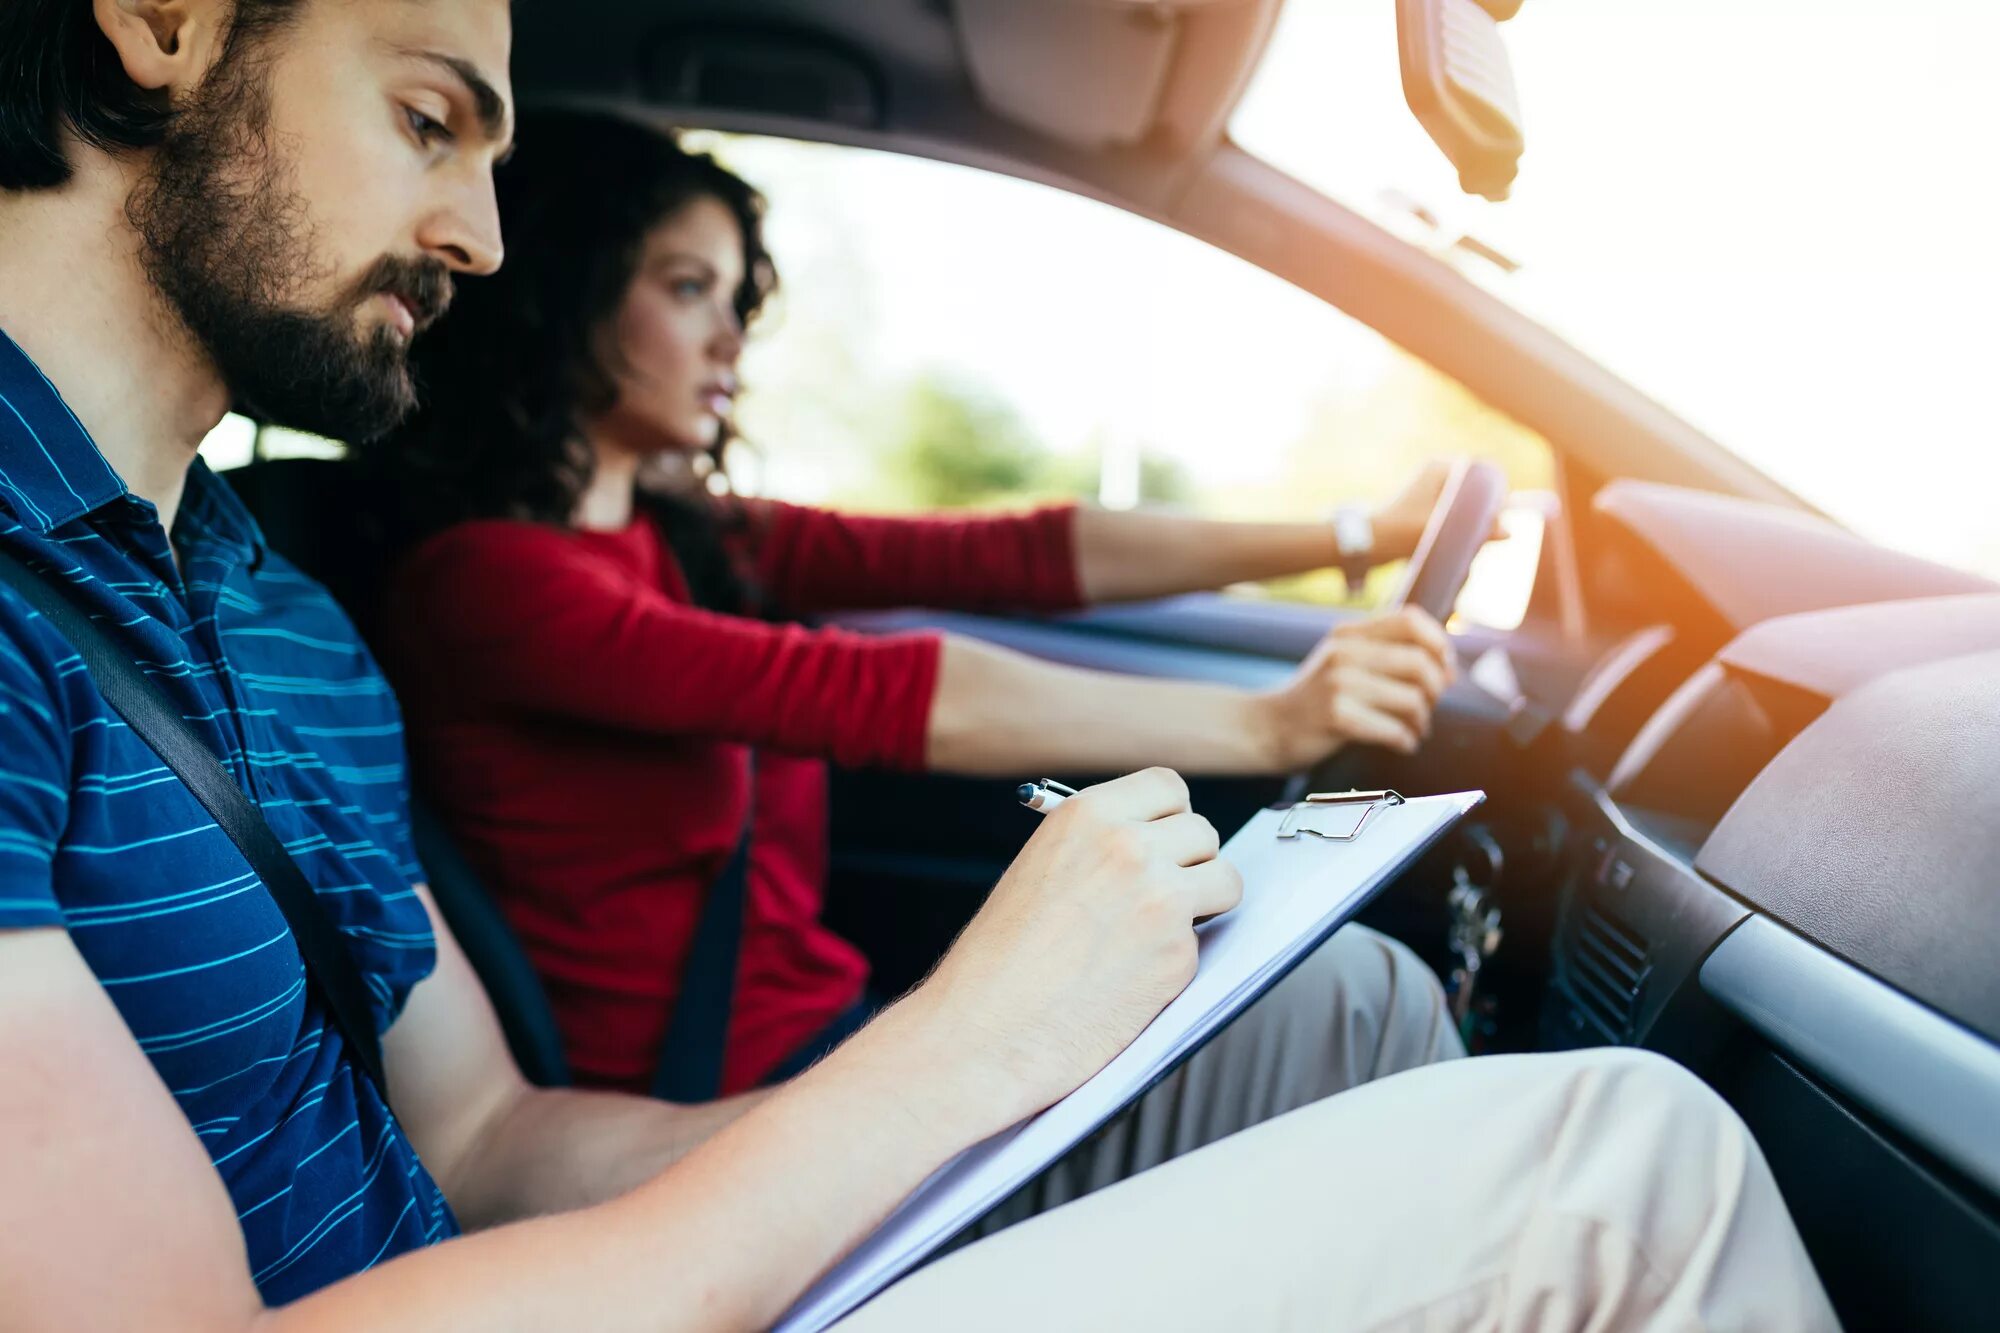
(1337, 816)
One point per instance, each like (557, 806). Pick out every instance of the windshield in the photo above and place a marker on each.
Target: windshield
(1775, 217)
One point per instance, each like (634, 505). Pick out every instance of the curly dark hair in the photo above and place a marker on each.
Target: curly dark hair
(507, 378)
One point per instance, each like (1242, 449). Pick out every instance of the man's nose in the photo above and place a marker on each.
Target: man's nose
(464, 231)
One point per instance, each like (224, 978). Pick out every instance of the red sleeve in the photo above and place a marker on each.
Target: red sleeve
(811, 560)
(518, 616)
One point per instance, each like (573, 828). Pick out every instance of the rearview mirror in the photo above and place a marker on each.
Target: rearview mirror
(1459, 82)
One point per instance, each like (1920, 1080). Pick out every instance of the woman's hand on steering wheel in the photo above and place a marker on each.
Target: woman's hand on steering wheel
(1371, 681)
(1399, 525)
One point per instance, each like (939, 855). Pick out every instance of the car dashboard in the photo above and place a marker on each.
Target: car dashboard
(1705, 800)
(1781, 865)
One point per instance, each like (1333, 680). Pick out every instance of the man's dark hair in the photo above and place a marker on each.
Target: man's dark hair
(60, 75)
(507, 380)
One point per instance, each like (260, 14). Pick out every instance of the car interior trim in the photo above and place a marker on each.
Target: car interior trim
(1922, 1073)
(1835, 652)
(1872, 835)
(1611, 671)
(1802, 562)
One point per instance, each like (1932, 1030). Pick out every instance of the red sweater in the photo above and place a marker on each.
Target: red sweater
(583, 730)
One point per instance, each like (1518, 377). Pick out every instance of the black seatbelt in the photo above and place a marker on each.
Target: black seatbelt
(156, 721)
(697, 1033)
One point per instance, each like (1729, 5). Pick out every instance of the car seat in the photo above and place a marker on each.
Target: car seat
(323, 516)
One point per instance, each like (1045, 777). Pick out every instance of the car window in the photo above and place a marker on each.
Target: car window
(236, 440)
(949, 337)
(945, 337)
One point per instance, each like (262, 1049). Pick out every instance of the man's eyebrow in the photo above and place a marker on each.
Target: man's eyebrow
(486, 100)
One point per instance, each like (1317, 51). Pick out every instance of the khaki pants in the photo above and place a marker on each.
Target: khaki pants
(1598, 1190)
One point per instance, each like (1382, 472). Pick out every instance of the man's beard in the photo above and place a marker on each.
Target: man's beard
(227, 241)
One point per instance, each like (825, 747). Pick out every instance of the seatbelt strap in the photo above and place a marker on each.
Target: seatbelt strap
(698, 1032)
(155, 720)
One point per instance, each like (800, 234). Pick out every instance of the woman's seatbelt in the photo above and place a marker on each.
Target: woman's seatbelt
(697, 1034)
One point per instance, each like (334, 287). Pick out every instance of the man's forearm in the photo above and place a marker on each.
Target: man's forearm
(729, 1235)
(1125, 555)
(555, 1149)
(1002, 712)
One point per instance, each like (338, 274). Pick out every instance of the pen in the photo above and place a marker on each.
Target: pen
(1044, 796)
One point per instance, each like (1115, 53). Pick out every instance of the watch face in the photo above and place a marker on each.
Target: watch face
(1352, 531)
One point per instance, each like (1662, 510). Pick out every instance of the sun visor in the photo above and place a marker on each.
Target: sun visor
(1087, 73)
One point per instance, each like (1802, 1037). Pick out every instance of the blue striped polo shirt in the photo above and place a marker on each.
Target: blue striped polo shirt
(99, 838)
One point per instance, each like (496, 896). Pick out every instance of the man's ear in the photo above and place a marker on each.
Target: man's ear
(164, 45)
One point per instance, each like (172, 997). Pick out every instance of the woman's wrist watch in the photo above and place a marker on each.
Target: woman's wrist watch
(1354, 539)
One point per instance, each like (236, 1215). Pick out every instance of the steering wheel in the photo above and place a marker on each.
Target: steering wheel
(1466, 511)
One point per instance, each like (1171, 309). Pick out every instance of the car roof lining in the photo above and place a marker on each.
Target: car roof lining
(1090, 74)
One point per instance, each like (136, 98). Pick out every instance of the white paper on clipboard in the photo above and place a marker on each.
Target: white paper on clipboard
(1296, 892)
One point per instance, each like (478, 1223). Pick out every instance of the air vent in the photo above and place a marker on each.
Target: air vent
(1605, 966)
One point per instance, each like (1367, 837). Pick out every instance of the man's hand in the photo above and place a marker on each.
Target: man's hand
(1374, 681)
(1085, 939)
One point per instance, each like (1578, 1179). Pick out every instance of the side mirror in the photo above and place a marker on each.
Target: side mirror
(1459, 82)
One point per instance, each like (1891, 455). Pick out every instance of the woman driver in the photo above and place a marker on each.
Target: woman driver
(589, 649)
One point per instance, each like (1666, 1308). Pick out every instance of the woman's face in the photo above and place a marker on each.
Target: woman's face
(677, 334)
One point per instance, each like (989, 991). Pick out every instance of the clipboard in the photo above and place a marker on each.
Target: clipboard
(1300, 886)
